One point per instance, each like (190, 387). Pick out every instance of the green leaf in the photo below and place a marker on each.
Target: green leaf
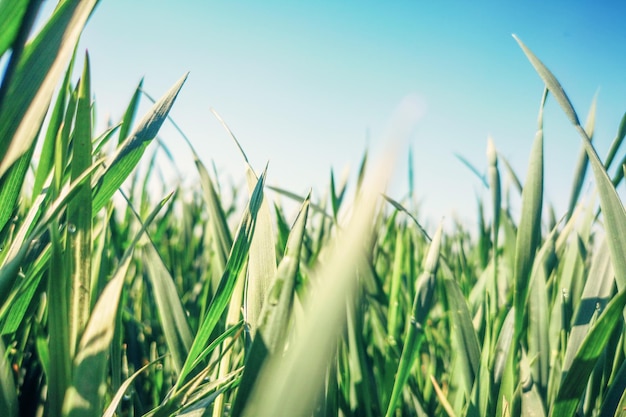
(86, 394)
(610, 203)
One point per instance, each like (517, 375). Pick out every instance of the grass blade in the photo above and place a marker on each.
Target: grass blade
(79, 215)
(133, 147)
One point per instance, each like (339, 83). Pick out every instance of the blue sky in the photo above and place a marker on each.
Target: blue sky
(308, 86)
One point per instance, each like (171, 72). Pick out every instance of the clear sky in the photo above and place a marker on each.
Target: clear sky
(309, 85)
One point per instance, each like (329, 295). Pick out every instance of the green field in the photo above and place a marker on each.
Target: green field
(113, 302)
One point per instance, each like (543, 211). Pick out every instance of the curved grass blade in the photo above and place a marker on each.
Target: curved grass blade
(610, 203)
(292, 384)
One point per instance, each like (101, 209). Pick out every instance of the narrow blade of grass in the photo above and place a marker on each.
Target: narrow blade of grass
(79, 215)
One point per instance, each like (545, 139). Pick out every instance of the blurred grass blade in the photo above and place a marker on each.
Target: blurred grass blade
(133, 147)
(617, 142)
(36, 76)
(236, 261)
(574, 382)
(291, 385)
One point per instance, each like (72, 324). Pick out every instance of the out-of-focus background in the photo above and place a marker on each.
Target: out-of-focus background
(308, 86)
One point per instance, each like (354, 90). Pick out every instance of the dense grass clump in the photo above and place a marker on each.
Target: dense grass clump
(197, 305)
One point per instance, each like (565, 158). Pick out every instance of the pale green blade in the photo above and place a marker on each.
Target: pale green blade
(11, 14)
(262, 262)
(464, 336)
(290, 385)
